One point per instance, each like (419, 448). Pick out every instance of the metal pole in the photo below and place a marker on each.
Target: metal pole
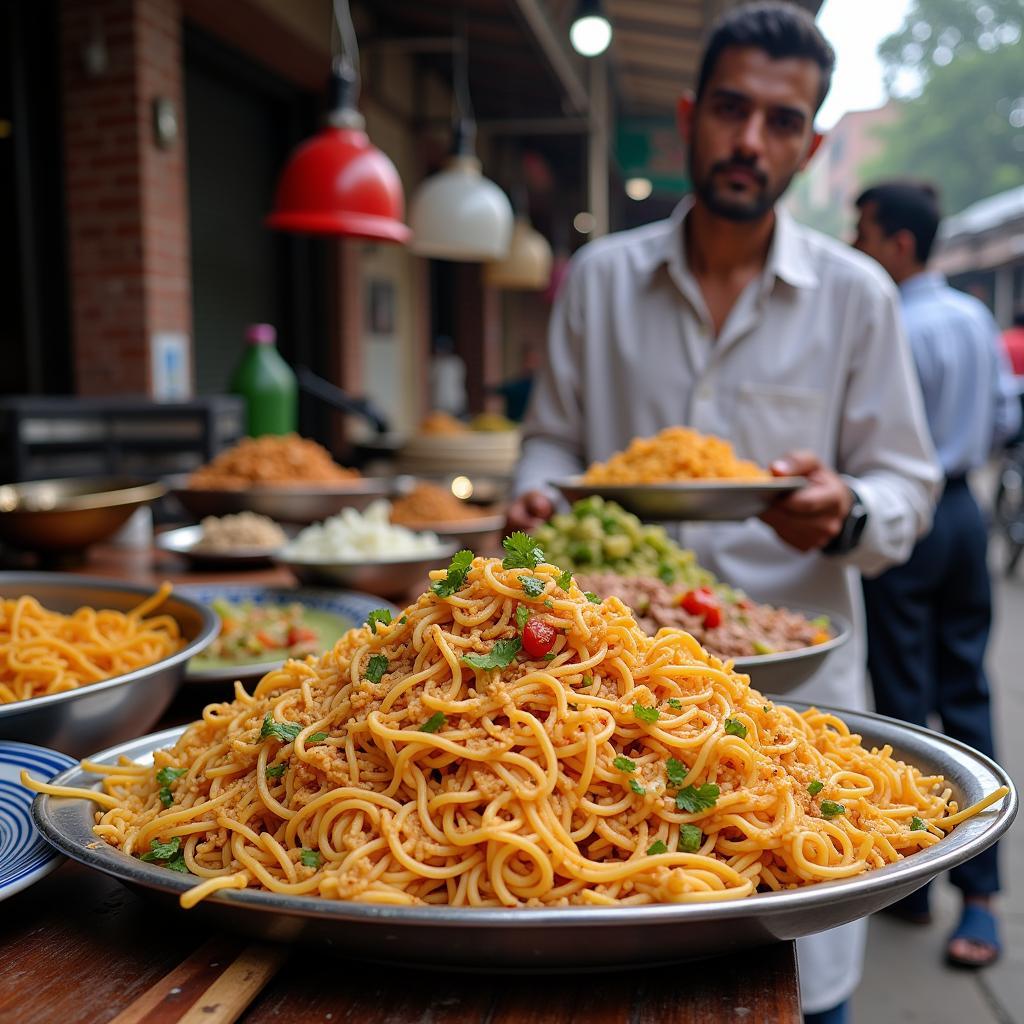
(597, 157)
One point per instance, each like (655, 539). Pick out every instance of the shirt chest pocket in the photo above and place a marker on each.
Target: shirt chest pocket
(772, 419)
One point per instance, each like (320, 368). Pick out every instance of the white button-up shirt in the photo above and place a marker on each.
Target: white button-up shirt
(812, 356)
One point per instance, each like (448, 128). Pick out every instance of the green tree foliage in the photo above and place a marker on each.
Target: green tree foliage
(965, 129)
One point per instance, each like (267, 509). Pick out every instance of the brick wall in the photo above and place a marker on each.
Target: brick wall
(127, 206)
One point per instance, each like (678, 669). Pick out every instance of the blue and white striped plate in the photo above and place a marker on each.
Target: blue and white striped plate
(24, 855)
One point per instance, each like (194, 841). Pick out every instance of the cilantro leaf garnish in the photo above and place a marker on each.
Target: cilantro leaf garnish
(636, 787)
(916, 824)
(624, 764)
(550, 656)
(275, 771)
(522, 552)
(658, 846)
(697, 798)
(675, 771)
(167, 775)
(162, 851)
(831, 809)
(283, 731)
(381, 615)
(316, 737)
(403, 620)
(666, 573)
(765, 708)
(311, 858)
(522, 614)
(178, 864)
(675, 703)
(690, 838)
(644, 714)
(735, 728)
(587, 681)
(166, 796)
(434, 722)
(815, 787)
(499, 656)
(591, 597)
(532, 586)
(376, 667)
(458, 567)
(564, 581)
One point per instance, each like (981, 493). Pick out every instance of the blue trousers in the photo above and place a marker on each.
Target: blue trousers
(928, 625)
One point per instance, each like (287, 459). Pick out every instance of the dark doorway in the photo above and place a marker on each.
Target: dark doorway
(243, 122)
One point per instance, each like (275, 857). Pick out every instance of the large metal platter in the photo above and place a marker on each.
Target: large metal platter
(571, 938)
(305, 504)
(688, 500)
(78, 721)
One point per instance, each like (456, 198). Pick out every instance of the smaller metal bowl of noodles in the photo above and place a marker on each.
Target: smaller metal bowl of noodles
(77, 721)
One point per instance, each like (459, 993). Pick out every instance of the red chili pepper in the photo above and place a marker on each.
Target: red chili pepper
(538, 638)
(266, 640)
(704, 603)
(300, 635)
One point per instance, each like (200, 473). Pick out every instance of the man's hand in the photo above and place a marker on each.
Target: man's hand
(809, 518)
(529, 510)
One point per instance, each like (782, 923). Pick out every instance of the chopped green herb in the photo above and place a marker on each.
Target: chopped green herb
(697, 798)
(376, 667)
(636, 787)
(675, 703)
(167, 775)
(760, 647)
(666, 573)
(522, 552)
(162, 851)
(178, 864)
(916, 824)
(564, 581)
(549, 604)
(284, 731)
(690, 838)
(821, 622)
(532, 586)
(765, 708)
(675, 771)
(644, 714)
(311, 858)
(658, 846)
(381, 615)
(499, 656)
(458, 568)
(166, 797)
(830, 809)
(735, 728)
(522, 614)
(317, 737)
(550, 656)
(815, 787)
(434, 722)
(403, 620)
(624, 764)
(275, 771)
(587, 681)
(591, 597)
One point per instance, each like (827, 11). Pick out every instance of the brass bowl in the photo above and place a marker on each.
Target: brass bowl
(70, 514)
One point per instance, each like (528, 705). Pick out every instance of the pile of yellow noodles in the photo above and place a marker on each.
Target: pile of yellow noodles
(391, 771)
(44, 652)
(677, 453)
(283, 461)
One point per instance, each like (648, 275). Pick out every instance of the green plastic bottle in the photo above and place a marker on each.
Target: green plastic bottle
(267, 383)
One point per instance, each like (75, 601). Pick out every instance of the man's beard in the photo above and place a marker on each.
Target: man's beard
(722, 204)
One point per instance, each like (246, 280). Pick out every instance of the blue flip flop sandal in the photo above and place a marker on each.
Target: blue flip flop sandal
(976, 925)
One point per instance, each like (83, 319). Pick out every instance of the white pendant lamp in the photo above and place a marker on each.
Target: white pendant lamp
(527, 265)
(458, 214)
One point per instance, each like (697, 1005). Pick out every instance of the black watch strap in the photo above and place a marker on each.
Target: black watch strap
(852, 529)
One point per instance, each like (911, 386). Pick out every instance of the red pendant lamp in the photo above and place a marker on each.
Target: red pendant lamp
(338, 183)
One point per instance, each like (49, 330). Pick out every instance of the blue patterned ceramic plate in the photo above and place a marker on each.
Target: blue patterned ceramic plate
(24, 855)
(331, 613)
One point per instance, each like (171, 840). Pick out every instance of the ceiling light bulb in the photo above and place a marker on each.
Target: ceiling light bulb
(590, 35)
(639, 188)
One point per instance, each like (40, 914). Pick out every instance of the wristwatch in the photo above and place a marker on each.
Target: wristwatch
(850, 532)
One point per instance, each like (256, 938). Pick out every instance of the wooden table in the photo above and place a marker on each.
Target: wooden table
(80, 947)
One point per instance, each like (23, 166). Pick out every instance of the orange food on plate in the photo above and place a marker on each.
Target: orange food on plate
(282, 461)
(677, 453)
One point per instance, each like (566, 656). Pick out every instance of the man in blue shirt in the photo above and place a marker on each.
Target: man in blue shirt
(928, 620)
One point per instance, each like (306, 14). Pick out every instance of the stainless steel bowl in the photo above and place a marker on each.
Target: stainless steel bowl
(113, 710)
(70, 514)
(391, 578)
(569, 938)
(468, 532)
(306, 504)
(183, 541)
(786, 670)
(689, 500)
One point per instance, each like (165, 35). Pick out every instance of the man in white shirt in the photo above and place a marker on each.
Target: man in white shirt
(732, 319)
